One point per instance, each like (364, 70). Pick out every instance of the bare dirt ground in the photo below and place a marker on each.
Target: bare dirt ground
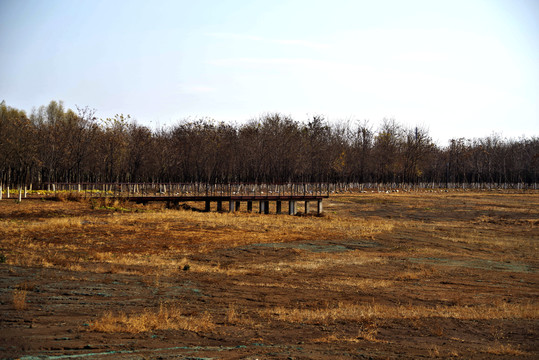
(381, 276)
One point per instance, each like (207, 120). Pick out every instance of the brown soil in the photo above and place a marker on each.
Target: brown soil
(439, 275)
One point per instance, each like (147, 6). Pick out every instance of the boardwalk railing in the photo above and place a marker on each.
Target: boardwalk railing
(191, 189)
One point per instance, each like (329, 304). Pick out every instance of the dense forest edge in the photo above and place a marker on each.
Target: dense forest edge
(58, 145)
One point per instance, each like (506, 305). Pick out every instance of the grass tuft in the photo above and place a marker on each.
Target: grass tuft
(508, 349)
(19, 299)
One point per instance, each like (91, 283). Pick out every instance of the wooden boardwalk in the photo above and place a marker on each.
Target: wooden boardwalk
(234, 201)
(175, 193)
(232, 194)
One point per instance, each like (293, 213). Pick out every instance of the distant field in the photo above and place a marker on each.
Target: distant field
(398, 275)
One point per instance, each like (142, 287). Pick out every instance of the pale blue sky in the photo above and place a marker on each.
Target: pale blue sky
(459, 68)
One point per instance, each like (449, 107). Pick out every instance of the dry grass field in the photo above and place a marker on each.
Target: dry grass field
(382, 276)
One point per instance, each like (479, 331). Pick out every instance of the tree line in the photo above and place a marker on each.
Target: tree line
(56, 145)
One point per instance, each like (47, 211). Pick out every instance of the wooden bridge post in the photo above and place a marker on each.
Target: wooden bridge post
(261, 206)
(278, 207)
(307, 207)
(219, 205)
(292, 207)
(238, 204)
(249, 206)
(207, 207)
(266, 207)
(231, 206)
(319, 206)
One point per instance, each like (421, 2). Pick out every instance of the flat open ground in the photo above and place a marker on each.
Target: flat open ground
(418, 275)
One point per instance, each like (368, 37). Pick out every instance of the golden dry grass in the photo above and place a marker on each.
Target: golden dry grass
(434, 351)
(415, 272)
(82, 239)
(507, 349)
(19, 299)
(326, 284)
(362, 284)
(232, 314)
(368, 312)
(315, 261)
(237, 316)
(165, 318)
(367, 332)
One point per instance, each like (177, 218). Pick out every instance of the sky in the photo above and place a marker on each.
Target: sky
(455, 68)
